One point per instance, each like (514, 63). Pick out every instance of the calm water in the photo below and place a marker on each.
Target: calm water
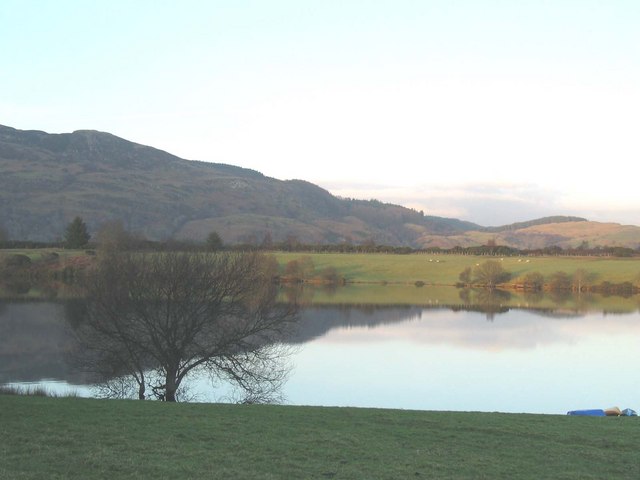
(397, 357)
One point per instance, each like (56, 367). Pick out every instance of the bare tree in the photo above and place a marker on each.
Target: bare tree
(490, 274)
(560, 281)
(112, 236)
(299, 270)
(581, 279)
(465, 276)
(533, 281)
(176, 313)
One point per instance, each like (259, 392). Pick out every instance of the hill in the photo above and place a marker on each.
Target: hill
(564, 234)
(47, 179)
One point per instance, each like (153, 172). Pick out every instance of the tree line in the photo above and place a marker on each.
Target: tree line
(491, 274)
(112, 235)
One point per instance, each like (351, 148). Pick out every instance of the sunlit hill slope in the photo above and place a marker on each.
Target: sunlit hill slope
(47, 179)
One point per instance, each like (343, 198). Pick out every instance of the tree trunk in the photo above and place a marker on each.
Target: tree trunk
(139, 378)
(170, 385)
(141, 391)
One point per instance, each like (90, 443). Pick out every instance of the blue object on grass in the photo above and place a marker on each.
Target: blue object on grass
(596, 412)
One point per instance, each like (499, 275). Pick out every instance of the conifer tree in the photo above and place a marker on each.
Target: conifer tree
(76, 234)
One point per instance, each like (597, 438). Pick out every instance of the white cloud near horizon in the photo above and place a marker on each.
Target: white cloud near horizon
(485, 204)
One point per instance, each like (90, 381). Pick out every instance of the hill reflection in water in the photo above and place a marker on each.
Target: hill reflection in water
(469, 357)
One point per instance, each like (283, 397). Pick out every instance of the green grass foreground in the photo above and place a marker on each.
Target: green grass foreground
(58, 438)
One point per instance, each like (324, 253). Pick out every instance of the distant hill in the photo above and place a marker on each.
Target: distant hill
(564, 234)
(47, 179)
(532, 223)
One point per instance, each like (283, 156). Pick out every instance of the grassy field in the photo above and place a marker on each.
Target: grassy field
(95, 439)
(427, 268)
(38, 254)
(445, 269)
(391, 279)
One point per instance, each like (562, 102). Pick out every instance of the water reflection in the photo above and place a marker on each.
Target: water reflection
(445, 360)
(517, 330)
(33, 341)
(538, 359)
(489, 301)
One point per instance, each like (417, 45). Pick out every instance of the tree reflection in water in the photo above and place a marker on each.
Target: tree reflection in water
(487, 300)
(152, 320)
(33, 339)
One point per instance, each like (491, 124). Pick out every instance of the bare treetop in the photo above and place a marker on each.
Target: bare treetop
(176, 312)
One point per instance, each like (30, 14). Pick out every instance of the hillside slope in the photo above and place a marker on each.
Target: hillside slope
(47, 179)
(566, 234)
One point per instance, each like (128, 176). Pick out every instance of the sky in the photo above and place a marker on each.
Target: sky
(492, 111)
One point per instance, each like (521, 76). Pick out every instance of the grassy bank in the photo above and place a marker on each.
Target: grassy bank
(353, 268)
(445, 269)
(408, 269)
(80, 438)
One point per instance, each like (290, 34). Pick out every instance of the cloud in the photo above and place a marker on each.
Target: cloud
(489, 204)
(520, 330)
(486, 204)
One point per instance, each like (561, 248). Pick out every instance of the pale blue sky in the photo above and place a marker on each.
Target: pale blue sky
(491, 111)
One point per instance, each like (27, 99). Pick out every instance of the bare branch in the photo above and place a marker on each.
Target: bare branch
(179, 311)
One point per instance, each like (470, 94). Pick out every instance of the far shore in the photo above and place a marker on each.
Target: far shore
(589, 274)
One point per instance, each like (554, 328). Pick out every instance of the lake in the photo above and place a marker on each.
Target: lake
(429, 357)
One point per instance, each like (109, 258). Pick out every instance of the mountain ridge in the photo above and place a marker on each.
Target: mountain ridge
(47, 179)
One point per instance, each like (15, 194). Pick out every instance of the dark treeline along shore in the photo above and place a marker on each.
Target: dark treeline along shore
(52, 268)
(128, 241)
